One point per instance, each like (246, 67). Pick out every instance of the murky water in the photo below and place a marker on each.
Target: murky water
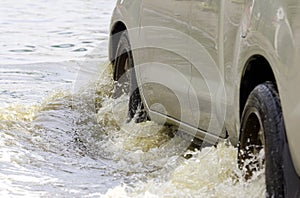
(63, 135)
(51, 31)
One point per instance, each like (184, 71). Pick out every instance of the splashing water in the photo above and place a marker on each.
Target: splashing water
(79, 145)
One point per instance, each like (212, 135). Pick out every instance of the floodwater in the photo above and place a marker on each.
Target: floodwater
(63, 135)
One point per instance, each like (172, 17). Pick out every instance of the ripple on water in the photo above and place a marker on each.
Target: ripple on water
(63, 33)
(21, 50)
(30, 46)
(67, 45)
(87, 42)
(80, 50)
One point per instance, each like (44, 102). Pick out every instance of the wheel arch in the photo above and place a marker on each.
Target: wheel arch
(257, 70)
(115, 35)
(114, 39)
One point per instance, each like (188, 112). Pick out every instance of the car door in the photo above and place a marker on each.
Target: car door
(206, 94)
(164, 67)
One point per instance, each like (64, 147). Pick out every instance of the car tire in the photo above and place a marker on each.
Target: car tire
(125, 80)
(263, 129)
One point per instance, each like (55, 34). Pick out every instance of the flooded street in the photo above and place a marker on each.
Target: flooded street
(63, 135)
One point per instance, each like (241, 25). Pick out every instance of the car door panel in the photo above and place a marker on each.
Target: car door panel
(165, 69)
(207, 94)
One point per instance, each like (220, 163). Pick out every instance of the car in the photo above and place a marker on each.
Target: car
(218, 69)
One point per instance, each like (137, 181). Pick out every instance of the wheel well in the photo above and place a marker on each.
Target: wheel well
(257, 71)
(115, 37)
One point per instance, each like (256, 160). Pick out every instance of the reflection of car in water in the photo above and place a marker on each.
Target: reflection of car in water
(227, 71)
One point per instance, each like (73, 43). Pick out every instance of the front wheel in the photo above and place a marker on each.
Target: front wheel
(263, 142)
(125, 80)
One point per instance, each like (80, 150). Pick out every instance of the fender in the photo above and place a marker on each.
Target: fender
(128, 13)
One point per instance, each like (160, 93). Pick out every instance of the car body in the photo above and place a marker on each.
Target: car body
(222, 49)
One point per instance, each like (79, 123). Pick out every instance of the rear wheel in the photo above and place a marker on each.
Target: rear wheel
(125, 80)
(263, 142)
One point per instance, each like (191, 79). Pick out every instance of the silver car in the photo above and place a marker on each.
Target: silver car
(218, 69)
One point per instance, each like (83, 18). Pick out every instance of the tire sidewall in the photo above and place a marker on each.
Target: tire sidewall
(265, 100)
